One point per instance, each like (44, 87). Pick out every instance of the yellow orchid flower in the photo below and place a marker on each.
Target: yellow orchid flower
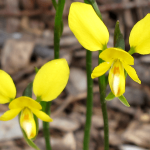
(117, 60)
(27, 106)
(87, 27)
(49, 82)
(93, 35)
(139, 38)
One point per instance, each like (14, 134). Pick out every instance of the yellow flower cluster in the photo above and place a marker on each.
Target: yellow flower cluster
(49, 82)
(93, 35)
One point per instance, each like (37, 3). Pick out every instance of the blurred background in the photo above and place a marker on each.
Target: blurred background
(26, 41)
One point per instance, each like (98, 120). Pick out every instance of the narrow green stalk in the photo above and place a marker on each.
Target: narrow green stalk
(104, 111)
(54, 4)
(46, 109)
(102, 87)
(95, 6)
(89, 101)
(58, 28)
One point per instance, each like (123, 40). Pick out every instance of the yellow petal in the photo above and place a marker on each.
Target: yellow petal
(4, 99)
(40, 114)
(117, 78)
(7, 88)
(27, 122)
(132, 73)
(10, 114)
(24, 101)
(140, 36)
(87, 27)
(51, 79)
(116, 53)
(100, 69)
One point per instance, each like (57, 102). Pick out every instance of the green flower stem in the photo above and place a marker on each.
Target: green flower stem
(54, 4)
(95, 6)
(58, 29)
(102, 86)
(46, 109)
(89, 101)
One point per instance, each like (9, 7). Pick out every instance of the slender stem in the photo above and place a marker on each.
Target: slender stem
(95, 6)
(102, 87)
(89, 101)
(104, 111)
(54, 4)
(46, 109)
(58, 29)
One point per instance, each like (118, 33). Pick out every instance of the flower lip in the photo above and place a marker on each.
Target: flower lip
(27, 122)
(117, 78)
(27, 126)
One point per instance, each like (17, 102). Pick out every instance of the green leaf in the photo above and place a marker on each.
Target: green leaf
(118, 37)
(124, 101)
(119, 40)
(110, 96)
(28, 92)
